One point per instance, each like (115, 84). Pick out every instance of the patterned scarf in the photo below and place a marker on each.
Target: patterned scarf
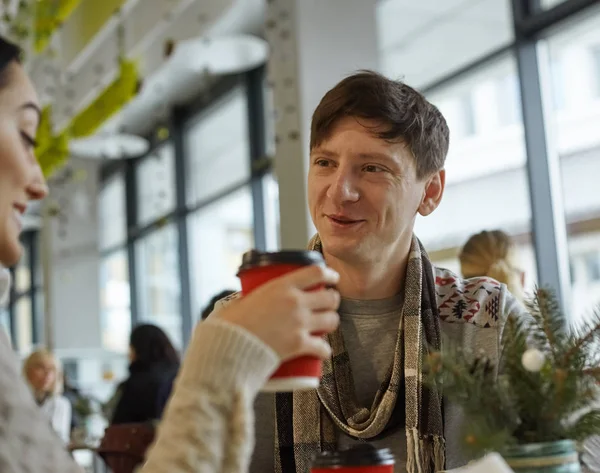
(307, 422)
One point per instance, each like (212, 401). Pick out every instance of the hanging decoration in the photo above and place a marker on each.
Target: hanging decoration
(53, 150)
(35, 20)
(49, 16)
(109, 102)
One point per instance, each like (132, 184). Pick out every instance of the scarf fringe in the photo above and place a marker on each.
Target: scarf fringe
(413, 452)
(439, 453)
(424, 453)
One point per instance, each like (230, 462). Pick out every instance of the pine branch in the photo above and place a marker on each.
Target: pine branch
(593, 372)
(586, 335)
(586, 426)
(549, 326)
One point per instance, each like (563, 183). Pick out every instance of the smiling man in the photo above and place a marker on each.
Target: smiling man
(377, 154)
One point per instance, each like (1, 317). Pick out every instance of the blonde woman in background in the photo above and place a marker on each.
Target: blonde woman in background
(493, 253)
(41, 370)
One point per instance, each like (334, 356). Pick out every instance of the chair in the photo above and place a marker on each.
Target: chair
(124, 446)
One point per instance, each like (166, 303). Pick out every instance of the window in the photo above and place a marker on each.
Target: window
(271, 192)
(421, 43)
(5, 320)
(595, 53)
(155, 181)
(24, 324)
(508, 100)
(158, 283)
(592, 262)
(557, 79)
(486, 179)
(219, 235)
(217, 148)
(548, 4)
(115, 308)
(468, 115)
(24, 316)
(23, 273)
(112, 214)
(575, 138)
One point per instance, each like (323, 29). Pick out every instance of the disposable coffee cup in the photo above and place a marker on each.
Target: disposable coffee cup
(260, 267)
(364, 458)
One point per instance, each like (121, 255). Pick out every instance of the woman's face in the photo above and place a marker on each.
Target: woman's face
(42, 375)
(21, 178)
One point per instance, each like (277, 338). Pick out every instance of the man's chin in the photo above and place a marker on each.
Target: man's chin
(342, 249)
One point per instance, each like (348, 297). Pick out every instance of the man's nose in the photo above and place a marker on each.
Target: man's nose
(344, 187)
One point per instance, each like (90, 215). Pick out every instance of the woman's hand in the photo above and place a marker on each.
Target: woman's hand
(286, 312)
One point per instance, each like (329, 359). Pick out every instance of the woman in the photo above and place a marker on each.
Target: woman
(207, 427)
(42, 374)
(493, 254)
(154, 363)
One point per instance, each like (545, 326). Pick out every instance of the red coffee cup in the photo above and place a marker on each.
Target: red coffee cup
(364, 458)
(259, 267)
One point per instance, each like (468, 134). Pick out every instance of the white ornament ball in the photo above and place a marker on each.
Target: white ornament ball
(533, 360)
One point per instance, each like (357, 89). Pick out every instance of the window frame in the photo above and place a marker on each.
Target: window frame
(253, 82)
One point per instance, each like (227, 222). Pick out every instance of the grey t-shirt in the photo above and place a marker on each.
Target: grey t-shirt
(370, 331)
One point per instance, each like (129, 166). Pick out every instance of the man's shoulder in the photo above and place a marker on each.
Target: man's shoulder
(479, 301)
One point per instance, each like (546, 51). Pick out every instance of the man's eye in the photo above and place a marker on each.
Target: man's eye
(373, 168)
(322, 162)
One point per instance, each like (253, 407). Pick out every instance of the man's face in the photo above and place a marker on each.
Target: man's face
(363, 193)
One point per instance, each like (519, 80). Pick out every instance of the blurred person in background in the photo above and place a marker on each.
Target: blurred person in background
(207, 427)
(41, 370)
(493, 253)
(154, 363)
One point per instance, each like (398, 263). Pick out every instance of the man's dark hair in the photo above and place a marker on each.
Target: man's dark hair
(403, 113)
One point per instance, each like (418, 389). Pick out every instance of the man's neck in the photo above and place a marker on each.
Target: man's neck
(370, 280)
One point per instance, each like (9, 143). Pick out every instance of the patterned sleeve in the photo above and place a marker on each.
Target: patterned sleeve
(27, 441)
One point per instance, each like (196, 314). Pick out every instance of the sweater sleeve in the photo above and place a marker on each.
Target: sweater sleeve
(27, 441)
(208, 424)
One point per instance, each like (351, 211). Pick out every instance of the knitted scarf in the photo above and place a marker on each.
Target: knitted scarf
(307, 422)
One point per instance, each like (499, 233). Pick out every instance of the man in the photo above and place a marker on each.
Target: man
(377, 152)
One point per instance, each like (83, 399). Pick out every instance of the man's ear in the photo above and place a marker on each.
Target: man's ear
(432, 195)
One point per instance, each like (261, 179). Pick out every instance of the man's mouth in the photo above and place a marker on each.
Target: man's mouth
(343, 221)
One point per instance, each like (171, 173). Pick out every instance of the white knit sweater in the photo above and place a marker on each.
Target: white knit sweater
(207, 427)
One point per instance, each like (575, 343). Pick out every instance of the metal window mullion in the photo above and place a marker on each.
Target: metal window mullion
(543, 171)
(11, 311)
(35, 322)
(178, 134)
(258, 149)
(131, 217)
(530, 19)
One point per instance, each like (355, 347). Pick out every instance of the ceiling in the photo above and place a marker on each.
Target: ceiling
(75, 69)
(420, 42)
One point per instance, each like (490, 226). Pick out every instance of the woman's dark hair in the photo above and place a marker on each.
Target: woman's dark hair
(8, 53)
(211, 305)
(152, 345)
